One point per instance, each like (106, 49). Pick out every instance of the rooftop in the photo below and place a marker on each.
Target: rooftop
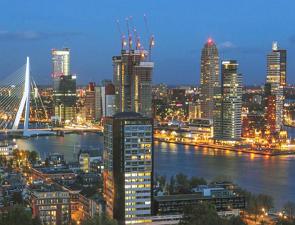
(127, 115)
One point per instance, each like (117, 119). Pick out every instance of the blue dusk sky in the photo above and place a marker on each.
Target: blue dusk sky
(242, 29)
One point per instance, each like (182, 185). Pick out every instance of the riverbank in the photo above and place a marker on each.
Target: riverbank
(230, 148)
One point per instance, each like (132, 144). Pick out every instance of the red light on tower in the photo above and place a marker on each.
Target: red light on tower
(210, 41)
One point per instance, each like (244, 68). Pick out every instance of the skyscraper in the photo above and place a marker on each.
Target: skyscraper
(274, 90)
(277, 66)
(228, 106)
(133, 81)
(209, 78)
(90, 102)
(64, 86)
(108, 100)
(98, 102)
(128, 174)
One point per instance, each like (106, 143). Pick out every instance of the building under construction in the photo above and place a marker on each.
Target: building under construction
(132, 76)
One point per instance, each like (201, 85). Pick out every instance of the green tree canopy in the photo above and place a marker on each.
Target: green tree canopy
(99, 220)
(18, 215)
(205, 214)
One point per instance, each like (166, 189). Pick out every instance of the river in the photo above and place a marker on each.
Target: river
(260, 174)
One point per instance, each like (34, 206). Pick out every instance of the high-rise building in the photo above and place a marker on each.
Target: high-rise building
(274, 89)
(209, 78)
(89, 104)
(270, 113)
(277, 66)
(133, 81)
(228, 104)
(128, 173)
(64, 87)
(108, 100)
(98, 102)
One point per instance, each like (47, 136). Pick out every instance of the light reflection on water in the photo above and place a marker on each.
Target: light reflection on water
(256, 173)
(260, 174)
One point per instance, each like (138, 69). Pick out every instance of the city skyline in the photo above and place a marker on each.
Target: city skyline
(37, 34)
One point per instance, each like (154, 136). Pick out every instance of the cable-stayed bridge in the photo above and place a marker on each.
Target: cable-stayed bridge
(16, 103)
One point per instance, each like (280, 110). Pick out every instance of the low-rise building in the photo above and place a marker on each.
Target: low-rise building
(50, 203)
(225, 201)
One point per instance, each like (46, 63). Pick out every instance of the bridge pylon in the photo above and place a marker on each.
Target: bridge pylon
(25, 103)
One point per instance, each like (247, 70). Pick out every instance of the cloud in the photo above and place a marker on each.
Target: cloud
(230, 47)
(227, 45)
(33, 35)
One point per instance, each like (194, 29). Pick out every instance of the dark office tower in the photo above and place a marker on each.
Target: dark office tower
(133, 81)
(128, 174)
(64, 87)
(270, 113)
(209, 78)
(228, 106)
(275, 83)
(90, 102)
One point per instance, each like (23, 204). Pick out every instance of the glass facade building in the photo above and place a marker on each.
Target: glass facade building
(64, 87)
(228, 107)
(128, 174)
(209, 78)
(275, 83)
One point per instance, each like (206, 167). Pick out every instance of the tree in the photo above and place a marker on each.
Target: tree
(17, 197)
(33, 157)
(162, 181)
(265, 201)
(195, 181)
(205, 214)
(183, 184)
(101, 219)
(289, 209)
(201, 214)
(285, 222)
(171, 185)
(236, 221)
(18, 215)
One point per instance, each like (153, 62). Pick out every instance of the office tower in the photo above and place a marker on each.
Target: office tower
(274, 90)
(64, 87)
(128, 174)
(209, 78)
(270, 113)
(108, 100)
(133, 81)
(98, 103)
(228, 104)
(277, 66)
(89, 104)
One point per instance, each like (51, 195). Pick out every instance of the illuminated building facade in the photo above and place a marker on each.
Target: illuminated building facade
(274, 90)
(132, 78)
(51, 204)
(209, 78)
(64, 87)
(228, 108)
(98, 103)
(194, 110)
(90, 102)
(128, 174)
(108, 100)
